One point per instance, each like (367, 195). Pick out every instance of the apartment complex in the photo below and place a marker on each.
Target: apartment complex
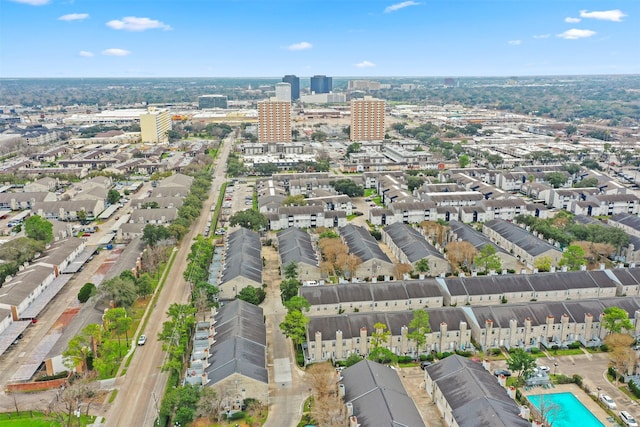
(274, 121)
(367, 119)
(154, 125)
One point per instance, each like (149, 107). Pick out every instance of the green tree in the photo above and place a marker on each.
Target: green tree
(615, 319)
(570, 130)
(487, 259)
(152, 234)
(144, 285)
(380, 335)
(252, 295)
(38, 228)
(176, 335)
(251, 219)
(113, 196)
(419, 327)
(297, 200)
(181, 403)
(86, 292)
(81, 215)
(543, 264)
(289, 289)
(77, 353)
(297, 303)
(573, 257)
(290, 270)
(294, 326)
(383, 355)
(348, 187)
(353, 148)
(522, 362)
(319, 136)
(114, 320)
(119, 292)
(422, 265)
(572, 168)
(352, 360)
(463, 161)
(556, 179)
(414, 182)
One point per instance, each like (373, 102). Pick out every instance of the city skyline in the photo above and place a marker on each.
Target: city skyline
(251, 38)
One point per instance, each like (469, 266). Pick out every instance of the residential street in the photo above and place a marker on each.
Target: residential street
(140, 391)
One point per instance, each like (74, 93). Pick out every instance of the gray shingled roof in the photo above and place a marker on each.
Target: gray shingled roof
(243, 256)
(294, 245)
(362, 243)
(474, 395)
(467, 233)
(520, 237)
(240, 345)
(379, 399)
(411, 242)
(381, 291)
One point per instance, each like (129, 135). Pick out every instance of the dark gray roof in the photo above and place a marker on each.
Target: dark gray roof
(411, 242)
(474, 395)
(467, 233)
(381, 291)
(541, 282)
(629, 220)
(588, 220)
(362, 243)
(520, 237)
(243, 256)
(294, 245)
(379, 399)
(240, 346)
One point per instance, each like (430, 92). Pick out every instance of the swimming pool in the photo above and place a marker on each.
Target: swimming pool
(564, 410)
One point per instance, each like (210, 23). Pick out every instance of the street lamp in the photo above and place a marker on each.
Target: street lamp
(555, 367)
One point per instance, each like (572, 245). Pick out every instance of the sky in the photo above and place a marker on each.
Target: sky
(271, 38)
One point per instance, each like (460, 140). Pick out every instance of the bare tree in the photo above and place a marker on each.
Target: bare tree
(328, 408)
(547, 410)
(349, 263)
(399, 270)
(621, 354)
(460, 254)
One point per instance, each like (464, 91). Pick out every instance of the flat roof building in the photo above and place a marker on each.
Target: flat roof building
(212, 101)
(294, 81)
(154, 125)
(274, 121)
(367, 119)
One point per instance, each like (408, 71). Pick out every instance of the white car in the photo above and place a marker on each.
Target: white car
(142, 339)
(628, 419)
(544, 368)
(608, 402)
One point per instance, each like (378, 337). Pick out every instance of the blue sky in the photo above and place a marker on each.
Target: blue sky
(265, 38)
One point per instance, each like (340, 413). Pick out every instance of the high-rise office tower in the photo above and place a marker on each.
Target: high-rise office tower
(294, 81)
(212, 101)
(367, 119)
(283, 92)
(274, 121)
(321, 84)
(154, 125)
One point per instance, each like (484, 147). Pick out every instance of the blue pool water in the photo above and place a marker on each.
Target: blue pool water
(565, 410)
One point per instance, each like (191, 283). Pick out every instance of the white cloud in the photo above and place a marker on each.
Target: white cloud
(85, 54)
(300, 46)
(365, 64)
(115, 52)
(574, 34)
(74, 17)
(542, 36)
(571, 20)
(133, 23)
(515, 42)
(615, 15)
(32, 2)
(399, 6)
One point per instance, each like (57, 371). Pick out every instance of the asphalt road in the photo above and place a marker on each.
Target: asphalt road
(141, 390)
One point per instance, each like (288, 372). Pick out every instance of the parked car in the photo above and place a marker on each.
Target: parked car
(142, 339)
(544, 368)
(424, 364)
(505, 372)
(608, 402)
(628, 419)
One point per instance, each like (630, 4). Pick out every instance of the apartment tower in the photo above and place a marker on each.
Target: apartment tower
(294, 81)
(367, 119)
(154, 125)
(283, 92)
(274, 121)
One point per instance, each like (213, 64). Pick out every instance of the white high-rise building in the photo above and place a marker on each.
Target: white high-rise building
(154, 125)
(283, 92)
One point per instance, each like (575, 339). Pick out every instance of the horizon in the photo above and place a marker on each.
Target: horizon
(226, 38)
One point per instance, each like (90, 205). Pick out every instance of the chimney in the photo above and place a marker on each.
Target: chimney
(350, 409)
(353, 421)
(523, 271)
(552, 269)
(474, 273)
(511, 392)
(535, 271)
(504, 271)
(341, 390)
(563, 269)
(461, 274)
(602, 266)
(583, 268)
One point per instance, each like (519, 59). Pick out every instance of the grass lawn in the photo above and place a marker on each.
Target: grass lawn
(36, 419)
(377, 200)
(369, 191)
(567, 352)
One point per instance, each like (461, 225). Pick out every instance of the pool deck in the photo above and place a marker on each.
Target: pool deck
(592, 406)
